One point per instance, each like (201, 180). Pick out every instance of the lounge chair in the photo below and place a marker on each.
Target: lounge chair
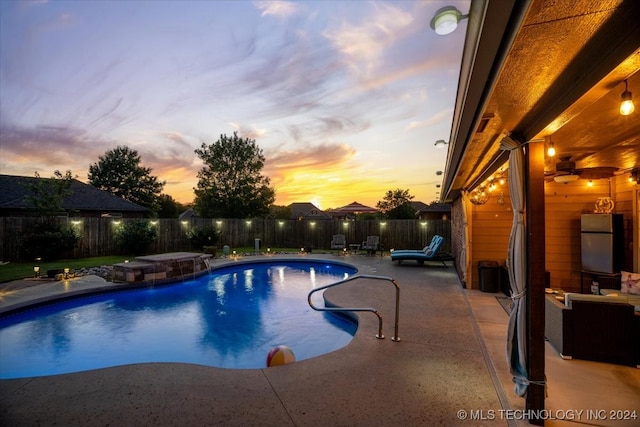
(338, 241)
(431, 252)
(371, 244)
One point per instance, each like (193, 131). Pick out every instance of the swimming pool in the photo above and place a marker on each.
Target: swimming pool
(230, 319)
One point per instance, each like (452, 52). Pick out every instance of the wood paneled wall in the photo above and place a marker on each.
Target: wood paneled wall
(564, 204)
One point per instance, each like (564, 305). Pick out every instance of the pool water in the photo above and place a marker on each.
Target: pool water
(229, 319)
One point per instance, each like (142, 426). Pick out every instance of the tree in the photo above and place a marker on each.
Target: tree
(230, 184)
(135, 237)
(395, 204)
(280, 212)
(119, 172)
(47, 195)
(49, 239)
(168, 207)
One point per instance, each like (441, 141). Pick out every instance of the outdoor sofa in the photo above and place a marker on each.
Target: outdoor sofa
(594, 327)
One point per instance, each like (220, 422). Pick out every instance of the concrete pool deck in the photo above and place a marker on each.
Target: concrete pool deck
(450, 358)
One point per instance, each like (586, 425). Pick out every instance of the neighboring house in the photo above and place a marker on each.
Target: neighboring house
(84, 200)
(300, 211)
(433, 211)
(189, 213)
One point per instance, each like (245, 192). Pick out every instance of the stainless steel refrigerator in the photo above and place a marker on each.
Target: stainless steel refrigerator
(602, 238)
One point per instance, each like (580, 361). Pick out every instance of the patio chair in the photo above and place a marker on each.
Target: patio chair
(431, 252)
(338, 241)
(372, 244)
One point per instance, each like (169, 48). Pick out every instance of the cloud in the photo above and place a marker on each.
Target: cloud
(362, 46)
(281, 9)
(440, 117)
(321, 158)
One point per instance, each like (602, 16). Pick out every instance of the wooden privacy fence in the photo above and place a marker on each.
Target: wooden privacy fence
(96, 234)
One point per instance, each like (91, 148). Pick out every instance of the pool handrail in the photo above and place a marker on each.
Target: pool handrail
(394, 338)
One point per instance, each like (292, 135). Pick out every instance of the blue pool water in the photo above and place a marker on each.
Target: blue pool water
(230, 319)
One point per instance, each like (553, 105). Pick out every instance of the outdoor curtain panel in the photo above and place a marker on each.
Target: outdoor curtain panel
(516, 265)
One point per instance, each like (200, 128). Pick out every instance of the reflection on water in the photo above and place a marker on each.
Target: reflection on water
(230, 319)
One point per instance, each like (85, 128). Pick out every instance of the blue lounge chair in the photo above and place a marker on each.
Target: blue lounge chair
(429, 253)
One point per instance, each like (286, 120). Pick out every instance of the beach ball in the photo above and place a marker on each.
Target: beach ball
(280, 355)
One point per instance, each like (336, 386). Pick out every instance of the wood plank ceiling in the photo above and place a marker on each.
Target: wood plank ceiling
(562, 80)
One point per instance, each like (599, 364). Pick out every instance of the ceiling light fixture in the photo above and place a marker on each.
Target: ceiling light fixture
(441, 143)
(446, 19)
(565, 179)
(626, 106)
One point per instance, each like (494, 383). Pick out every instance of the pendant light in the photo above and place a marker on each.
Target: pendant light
(626, 107)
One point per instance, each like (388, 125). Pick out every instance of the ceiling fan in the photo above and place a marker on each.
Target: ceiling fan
(566, 171)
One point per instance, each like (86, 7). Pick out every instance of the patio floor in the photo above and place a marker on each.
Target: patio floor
(450, 361)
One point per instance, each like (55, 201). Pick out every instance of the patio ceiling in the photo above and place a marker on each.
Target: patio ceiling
(546, 69)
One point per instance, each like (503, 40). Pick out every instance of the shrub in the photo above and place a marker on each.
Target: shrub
(49, 242)
(135, 237)
(203, 236)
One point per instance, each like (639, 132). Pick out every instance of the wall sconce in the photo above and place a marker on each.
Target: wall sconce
(634, 176)
(590, 183)
(626, 106)
(441, 143)
(446, 19)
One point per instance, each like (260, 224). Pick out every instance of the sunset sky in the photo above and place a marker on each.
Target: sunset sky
(346, 98)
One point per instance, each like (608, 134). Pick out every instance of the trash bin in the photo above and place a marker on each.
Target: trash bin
(489, 276)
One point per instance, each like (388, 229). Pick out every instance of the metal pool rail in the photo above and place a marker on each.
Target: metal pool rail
(373, 310)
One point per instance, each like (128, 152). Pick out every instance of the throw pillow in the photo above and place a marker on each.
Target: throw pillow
(630, 283)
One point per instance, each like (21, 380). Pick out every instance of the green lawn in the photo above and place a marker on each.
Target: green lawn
(21, 270)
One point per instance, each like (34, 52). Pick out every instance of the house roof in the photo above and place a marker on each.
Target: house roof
(84, 197)
(550, 71)
(355, 208)
(307, 210)
(436, 207)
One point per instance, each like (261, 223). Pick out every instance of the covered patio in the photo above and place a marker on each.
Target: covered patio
(536, 76)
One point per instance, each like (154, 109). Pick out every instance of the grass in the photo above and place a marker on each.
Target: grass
(21, 270)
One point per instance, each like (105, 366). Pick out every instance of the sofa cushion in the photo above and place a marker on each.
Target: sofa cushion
(630, 283)
(570, 296)
(631, 299)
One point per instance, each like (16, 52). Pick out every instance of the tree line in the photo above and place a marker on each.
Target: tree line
(230, 184)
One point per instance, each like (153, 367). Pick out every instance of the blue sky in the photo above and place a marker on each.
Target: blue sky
(346, 98)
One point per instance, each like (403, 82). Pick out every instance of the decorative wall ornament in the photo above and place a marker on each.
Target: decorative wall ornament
(479, 196)
(604, 205)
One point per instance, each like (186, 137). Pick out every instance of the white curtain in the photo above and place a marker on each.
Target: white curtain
(516, 264)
